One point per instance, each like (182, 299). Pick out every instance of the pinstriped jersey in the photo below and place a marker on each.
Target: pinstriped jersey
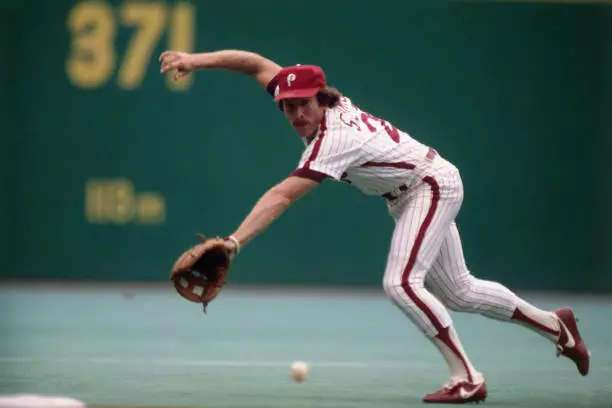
(371, 154)
(355, 147)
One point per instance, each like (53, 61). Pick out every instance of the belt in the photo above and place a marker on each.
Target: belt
(431, 154)
(394, 195)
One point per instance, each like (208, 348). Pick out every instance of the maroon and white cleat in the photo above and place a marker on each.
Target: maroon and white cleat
(461, 392)
(570, 343)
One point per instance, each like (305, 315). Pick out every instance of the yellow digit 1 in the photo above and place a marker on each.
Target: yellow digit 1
(92, 55)
(150, 19)
(181, 32)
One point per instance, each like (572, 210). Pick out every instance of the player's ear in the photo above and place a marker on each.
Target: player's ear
(326, 99)
(322, 99)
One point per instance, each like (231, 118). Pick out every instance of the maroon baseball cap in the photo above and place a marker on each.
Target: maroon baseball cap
(299, 81)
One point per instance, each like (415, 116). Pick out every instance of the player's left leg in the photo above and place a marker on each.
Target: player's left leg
(450, 279)
(421, 226)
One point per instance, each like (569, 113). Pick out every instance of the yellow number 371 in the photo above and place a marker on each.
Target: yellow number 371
(92, 58)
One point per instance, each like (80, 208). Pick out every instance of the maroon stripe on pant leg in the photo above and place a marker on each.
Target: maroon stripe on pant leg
(435, 189)
(443, 334)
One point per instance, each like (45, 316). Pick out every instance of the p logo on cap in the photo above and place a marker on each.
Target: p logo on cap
(290, 78)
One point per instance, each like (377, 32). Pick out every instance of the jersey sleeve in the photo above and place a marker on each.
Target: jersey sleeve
(330, 154)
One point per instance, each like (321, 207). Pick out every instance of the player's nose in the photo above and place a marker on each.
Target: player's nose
(299, 113)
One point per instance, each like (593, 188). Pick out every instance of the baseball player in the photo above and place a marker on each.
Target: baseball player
(423, 193)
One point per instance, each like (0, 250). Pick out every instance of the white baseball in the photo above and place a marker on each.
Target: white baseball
(299, 371)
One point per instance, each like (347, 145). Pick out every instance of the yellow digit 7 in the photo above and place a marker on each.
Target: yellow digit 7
(150, 19)
(92, 55)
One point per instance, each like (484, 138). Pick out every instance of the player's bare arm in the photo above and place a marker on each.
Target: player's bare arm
(245, 62)
(271, 205)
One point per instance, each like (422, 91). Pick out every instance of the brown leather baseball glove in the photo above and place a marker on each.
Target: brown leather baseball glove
(199, 273)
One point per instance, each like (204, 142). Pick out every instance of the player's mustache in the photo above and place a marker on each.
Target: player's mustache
(300, 123)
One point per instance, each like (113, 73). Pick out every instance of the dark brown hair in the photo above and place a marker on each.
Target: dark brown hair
(328, 96)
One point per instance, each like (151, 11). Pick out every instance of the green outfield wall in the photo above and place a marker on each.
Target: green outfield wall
(108, 169)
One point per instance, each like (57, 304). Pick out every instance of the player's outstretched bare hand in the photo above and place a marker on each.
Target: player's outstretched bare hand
(182, 63)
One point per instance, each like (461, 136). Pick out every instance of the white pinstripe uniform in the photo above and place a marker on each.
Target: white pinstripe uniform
(424, 193)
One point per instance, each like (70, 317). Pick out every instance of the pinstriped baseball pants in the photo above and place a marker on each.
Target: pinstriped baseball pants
(426, 271)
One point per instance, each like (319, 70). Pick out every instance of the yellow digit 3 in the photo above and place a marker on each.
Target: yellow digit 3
(92, 55)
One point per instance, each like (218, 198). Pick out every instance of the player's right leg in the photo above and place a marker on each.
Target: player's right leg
(452, 282)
